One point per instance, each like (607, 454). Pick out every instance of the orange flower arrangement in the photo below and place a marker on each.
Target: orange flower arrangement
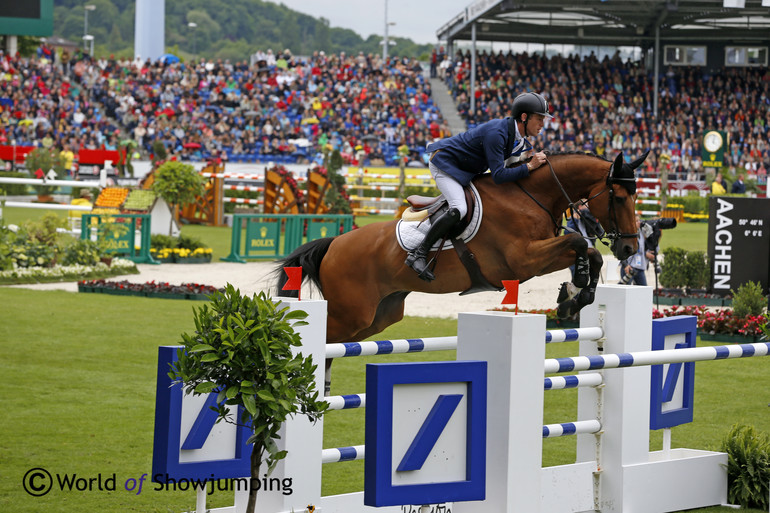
(112, 197)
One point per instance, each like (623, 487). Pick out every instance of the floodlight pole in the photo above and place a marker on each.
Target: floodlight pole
(86, 8)
(385, 40)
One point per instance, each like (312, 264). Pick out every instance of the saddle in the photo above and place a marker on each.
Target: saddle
(427, 207)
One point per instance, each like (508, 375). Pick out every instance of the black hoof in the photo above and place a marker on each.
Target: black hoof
(564, 310)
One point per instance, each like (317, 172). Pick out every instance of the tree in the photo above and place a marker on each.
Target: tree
(44, 159)
(242, 349)
(178, 184)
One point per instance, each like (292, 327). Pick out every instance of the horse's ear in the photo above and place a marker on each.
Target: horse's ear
(617, 166)
(638, 162)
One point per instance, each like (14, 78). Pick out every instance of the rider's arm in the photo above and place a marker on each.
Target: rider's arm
(494, 146)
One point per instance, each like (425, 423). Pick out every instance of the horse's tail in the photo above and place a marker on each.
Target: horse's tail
(308, 257)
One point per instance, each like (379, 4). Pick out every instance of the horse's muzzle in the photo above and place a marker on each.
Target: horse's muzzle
(622, 249)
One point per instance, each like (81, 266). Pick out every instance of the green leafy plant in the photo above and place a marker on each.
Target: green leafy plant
(748, 466)
(81, 252)
(12, 189)
(673, 273)
(682, 268)
(160, 241)
(44, 159)
(749, 299)
(696, 270)
(38, 242)
(178, 184)
(189, 242)
(242, 349)
(7, 240)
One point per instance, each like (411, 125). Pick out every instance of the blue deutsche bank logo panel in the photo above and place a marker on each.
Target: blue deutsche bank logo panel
(168, 441)
(401, 472)
(662, 388)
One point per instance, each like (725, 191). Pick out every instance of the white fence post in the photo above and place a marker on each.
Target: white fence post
(624, 312)
(514, 406)
(299, 436)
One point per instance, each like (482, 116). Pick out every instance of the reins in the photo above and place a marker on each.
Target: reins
(613, 235)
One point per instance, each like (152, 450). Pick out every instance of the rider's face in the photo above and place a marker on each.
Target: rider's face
(535, 124)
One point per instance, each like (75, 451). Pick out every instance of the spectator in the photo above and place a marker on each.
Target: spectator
(738, 186)
(633, 269)
(719, 185)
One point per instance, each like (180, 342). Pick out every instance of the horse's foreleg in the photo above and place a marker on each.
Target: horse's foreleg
(586, 296)
(570, 306)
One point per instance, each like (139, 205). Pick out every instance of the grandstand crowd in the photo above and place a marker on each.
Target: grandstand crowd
(606, 106)
(283, 108)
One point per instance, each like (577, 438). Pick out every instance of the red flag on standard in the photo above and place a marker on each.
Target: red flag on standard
(511, 293)
(294, 281)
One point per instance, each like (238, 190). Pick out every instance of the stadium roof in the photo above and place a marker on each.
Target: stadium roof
(612, 22)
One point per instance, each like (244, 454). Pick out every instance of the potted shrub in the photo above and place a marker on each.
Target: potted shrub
(748, 467)
(42, 160)
(242, 348)
(178, 184)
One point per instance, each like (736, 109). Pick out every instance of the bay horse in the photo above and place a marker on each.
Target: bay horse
(362, 275)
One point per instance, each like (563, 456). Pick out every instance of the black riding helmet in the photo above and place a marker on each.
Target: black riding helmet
(531, 103)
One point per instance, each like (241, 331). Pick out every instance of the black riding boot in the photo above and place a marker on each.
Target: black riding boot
(416, 259)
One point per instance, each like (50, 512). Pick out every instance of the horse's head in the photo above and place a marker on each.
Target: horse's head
(616, 211)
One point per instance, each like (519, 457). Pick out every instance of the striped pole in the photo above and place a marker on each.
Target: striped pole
(570, 335)
(371, 187)
(246, 201)
(642, 358)
(373, 211)
(249, 188)
(346, 402)
(593, 379)
(416, 345)
(579, 427)
(398, 346)
(342, 454)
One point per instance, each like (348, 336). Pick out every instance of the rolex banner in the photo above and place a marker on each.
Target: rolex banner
(713, 153)
(738, 242)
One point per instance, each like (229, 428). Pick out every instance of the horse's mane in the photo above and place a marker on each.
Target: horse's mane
(575, 152)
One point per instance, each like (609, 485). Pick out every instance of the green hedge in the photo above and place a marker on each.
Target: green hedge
(13, 189)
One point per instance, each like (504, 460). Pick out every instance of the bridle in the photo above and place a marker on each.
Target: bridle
(613, 235)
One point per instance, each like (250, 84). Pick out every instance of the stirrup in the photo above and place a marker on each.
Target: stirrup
(425, 274)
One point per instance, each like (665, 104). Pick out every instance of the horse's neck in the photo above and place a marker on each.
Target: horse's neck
(578, 175)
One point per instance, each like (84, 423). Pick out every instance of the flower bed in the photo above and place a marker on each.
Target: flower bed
(720, 325)
(149, 289)
(679, 297)
(717, 326)
(182, 255)
(66, 272)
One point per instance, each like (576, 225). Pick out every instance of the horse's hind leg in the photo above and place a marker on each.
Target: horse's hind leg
(389, 311)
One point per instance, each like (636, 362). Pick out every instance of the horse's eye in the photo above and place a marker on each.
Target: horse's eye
(620, 199)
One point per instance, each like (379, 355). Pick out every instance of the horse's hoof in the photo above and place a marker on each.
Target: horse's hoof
(567, 292)
(563, 310)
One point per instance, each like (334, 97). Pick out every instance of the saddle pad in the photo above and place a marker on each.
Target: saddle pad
(410, 233)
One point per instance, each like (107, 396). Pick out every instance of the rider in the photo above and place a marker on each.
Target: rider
(455, 161)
